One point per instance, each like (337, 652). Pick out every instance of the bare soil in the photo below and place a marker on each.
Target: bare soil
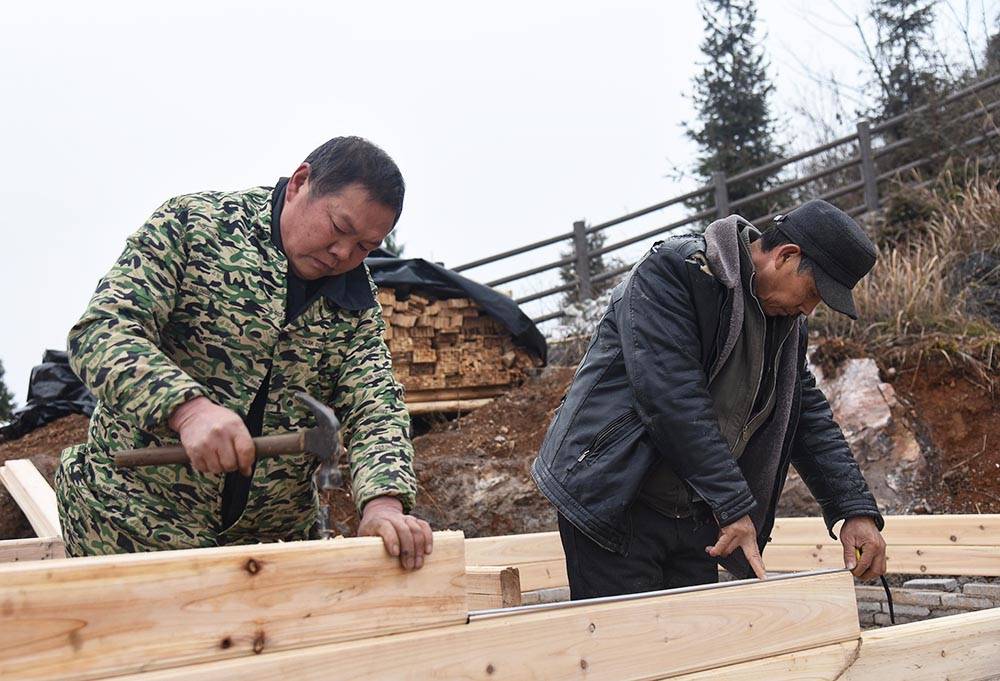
(962, 421)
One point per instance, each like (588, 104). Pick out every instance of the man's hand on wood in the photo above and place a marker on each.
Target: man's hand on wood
(741, 534)
(404, 536)
(215, 438)
(860, 534)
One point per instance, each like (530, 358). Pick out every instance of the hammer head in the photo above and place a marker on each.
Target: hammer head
(323, 441)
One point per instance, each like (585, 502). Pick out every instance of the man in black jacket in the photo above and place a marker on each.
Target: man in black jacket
(670, 449)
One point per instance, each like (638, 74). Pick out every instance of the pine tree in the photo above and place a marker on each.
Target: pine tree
(736, 129)
(903, 59)
(6, 398)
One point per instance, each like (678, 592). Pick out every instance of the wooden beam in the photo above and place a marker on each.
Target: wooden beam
(958, 648)
(14, 550)
(447, 406)
(931, 560)
(639, 638)
(33, 494)
(514, 549)
(86, 618)
(491, 587)
(916, 530)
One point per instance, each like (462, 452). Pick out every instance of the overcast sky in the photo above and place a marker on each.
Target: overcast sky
(509, 120)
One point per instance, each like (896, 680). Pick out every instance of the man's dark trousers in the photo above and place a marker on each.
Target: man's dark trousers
(665, 553)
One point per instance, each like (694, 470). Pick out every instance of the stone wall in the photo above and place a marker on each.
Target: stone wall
(921, 599)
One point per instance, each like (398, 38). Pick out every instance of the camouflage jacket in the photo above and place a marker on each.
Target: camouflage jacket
(195, 306)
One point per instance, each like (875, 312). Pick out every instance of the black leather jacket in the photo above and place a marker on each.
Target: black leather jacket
(641, 393)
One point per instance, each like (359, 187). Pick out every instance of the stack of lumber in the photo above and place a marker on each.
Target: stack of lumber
(448, 350)
(344, 609)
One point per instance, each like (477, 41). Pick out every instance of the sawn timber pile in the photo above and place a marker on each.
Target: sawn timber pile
(450, 349)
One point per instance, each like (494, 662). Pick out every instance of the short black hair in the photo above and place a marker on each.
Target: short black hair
(342, 161)
(773, 237)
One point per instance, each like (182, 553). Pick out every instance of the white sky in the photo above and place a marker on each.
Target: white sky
(509, 120)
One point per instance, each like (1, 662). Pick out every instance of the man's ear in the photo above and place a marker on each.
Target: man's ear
(297, 183)
(786, 252)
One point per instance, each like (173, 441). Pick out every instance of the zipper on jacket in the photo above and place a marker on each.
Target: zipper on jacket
(777, 356)
(605, 434)
(760, 376)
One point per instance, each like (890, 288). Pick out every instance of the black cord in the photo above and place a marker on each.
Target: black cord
(888, 596)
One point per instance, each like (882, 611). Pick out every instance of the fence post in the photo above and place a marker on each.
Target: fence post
(582, 260)
(867, 166)
(721, 194)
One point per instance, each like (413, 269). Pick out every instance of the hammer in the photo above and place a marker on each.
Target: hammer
(323, 441)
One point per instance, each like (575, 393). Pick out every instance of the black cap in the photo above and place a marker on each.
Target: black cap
(833, 240)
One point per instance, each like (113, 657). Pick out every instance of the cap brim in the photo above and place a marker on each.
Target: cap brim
(837, 296)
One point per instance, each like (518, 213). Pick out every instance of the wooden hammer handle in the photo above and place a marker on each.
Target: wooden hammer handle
(264, 447)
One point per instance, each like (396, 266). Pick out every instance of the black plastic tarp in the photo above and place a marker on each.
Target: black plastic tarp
(408, 275)
(54, 391)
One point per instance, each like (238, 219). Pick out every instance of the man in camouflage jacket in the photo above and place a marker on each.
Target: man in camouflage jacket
(221, 307)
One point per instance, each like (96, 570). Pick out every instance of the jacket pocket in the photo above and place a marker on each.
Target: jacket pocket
(618, 428)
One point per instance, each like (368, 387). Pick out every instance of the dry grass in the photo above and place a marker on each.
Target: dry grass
(913, 305)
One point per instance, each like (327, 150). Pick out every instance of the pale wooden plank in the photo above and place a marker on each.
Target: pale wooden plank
(822, 663)
(916, 530)
(447, 406)
(514, 549)
(632, 639)
(543, 574)
(86, 618)
(932, 560)
(14, 550)
(957, 648)
(34, 495)
(490, 587)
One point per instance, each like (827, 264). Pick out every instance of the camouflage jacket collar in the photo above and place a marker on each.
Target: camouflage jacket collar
(349, 291)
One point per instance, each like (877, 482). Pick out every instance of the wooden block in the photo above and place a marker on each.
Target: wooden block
(490, 587)
(640, 638)
(959, 647)
(927, 530)
(401, 345)
(458, 303)
(422, 332)
(932, 560)
(34, 495)
(424, 356)
(47, 548)
(404, 320)
(86, 618)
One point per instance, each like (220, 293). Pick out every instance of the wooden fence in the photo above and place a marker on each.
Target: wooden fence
(863, 161)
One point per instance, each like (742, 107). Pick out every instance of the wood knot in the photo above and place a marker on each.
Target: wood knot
(953, 538)
(490, 669)
(592, 627)
(258, 643)
(583, 665)
(252, 566)
(226, 643)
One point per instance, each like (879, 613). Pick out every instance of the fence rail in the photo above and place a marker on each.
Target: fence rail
(864, 160)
